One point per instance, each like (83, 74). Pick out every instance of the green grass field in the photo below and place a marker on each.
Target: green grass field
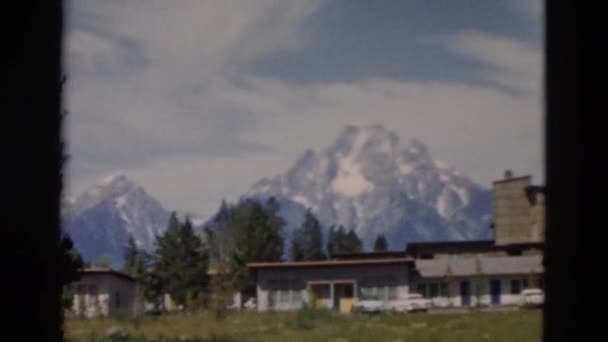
(519, 326)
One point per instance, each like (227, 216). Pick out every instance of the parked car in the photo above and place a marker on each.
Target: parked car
(532, 298)
(412, 302)
(368, 304)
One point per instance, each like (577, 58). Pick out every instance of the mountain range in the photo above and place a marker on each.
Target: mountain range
(367, 180)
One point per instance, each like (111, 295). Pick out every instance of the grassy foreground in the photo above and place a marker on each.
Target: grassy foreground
(307, 325)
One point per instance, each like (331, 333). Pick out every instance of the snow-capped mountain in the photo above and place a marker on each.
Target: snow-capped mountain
(367, 180)
(102, 218)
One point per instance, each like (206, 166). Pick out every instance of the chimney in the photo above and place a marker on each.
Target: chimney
(508, 174)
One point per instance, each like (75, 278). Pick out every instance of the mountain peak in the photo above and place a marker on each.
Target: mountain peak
(354, 141)
(104, 217)
(369, 181)
(118, 177)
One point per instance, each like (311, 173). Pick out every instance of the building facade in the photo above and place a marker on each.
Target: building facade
(331, 284)
(480, 280)
(519, 211)
(102, 292)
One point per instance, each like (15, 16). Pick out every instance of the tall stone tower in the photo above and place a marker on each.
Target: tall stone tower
(519, 210)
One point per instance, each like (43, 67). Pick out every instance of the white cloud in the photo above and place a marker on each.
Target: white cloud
(159, 89)
(508, 62)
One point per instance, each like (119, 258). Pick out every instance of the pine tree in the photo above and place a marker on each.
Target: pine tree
(72, 260)
(331, 241)
(256, 234)
(380, 245)
(72, 265)
(130, 256)
(216, 234)
(307, 243)
(341, 242)
(181, 261)
(136, 263)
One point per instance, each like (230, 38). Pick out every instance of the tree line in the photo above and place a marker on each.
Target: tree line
(204, 269)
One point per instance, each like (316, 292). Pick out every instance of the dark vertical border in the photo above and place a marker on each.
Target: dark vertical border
(564, 179)
(31, 167)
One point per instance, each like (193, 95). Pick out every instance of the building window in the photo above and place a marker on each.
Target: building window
(370, 293)
(434, 289)
(117, 299)
(515, 286)
(444, 289)
(525, 283)
(392, 293)
(283, 296)
(296, 296)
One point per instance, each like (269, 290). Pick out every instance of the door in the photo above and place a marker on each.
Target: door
(495, 291)
(320, 295)
(465, 292)
(343, 297)
(346, 302)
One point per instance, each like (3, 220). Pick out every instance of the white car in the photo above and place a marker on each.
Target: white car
(369, 304)
(412, 302)
(532, 298)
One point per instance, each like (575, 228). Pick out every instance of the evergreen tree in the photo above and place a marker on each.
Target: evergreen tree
(380, 245)
(341, 242)
(216, 234)
(307, 243)
(181, 261)
(353, 243)
(331, 243)
(130, 257)
(72, 260)
(256, 233)
(137, 263)
(72, 265)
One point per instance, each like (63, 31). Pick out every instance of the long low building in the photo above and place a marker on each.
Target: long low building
(329, 283)
(336, 284)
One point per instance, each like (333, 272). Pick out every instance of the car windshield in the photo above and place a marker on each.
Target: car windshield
(369, 294)
(369, 297)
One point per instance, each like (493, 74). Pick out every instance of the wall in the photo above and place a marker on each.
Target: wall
(512, 212)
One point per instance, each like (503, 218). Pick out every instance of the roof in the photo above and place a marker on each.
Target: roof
(461, 267)
(367, 255)
(470, 246)
(109, 271)
(512, 179)
(326, 263)
(451, 246)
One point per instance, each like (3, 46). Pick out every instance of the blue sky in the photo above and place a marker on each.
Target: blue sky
(196, 100)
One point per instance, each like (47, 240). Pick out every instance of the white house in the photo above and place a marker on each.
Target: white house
(103, 291)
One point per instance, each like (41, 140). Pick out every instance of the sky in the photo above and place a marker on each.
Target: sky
(197, 100)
